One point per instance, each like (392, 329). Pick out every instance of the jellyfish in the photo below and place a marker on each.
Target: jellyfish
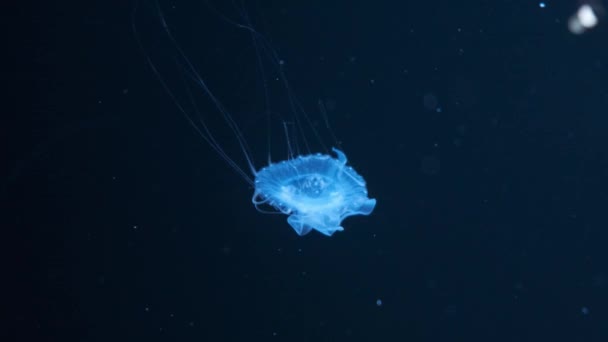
(316, 190)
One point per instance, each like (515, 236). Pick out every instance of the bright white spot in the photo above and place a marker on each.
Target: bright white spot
(542, 5)
(379, 302)
(587, 16)
(584, 19)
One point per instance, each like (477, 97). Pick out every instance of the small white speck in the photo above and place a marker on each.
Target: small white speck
(542, 5)
(147, 309)
(378, 302)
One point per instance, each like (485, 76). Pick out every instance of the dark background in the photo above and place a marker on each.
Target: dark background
(480, 127)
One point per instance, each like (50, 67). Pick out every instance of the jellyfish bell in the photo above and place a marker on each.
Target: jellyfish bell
(317, 191)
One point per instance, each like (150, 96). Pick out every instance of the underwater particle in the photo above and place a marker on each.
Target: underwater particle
(585, 310)
(378, 302)
(430, 102)
(542, 5)
(226, 250)
(585, 18)
(430, 165)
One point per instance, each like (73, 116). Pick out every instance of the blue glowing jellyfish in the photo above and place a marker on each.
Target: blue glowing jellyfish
(317, 191)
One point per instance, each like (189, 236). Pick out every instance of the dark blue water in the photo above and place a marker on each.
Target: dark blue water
(480, 128)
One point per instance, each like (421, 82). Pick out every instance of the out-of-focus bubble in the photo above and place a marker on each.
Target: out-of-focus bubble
(586, 17)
